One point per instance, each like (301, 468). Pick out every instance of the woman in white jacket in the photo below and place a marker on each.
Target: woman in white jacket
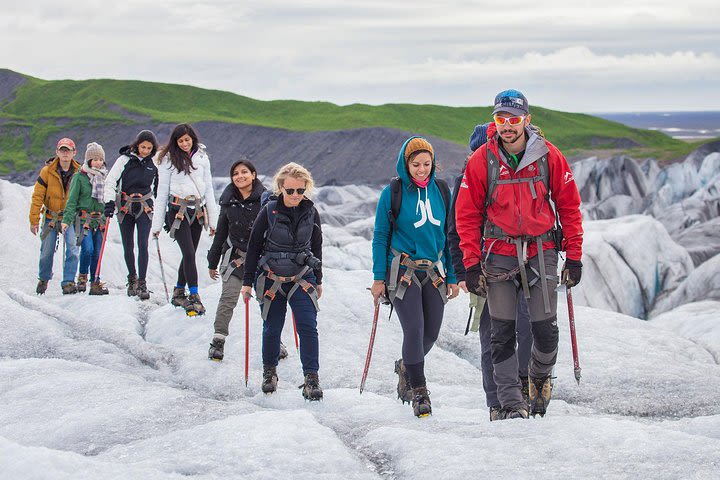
(185, 194)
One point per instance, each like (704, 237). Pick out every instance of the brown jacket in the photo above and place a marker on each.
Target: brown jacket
(49, 194)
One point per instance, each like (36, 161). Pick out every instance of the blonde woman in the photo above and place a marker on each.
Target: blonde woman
(284, 261)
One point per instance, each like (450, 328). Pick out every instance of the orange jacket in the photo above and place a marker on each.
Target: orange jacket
(49, 195)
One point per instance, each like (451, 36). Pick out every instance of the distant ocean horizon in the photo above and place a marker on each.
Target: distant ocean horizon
(680, 125)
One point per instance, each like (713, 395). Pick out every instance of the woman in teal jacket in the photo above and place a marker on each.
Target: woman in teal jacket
(85, 207)
(412, 265)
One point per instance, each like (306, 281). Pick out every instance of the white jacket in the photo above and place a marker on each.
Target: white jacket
(197, 183)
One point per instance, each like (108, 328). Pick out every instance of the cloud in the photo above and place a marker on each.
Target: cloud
(455, 52)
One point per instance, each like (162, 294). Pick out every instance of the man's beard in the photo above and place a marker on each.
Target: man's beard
(512, 140)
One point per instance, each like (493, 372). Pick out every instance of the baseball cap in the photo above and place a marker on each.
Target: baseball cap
(511, 101)
(65, 142)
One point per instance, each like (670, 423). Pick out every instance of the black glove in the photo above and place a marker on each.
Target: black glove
(475, 280)
(571, 272)
(109, 209)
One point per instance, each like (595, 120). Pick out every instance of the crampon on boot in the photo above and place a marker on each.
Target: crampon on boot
(132, 285)
(82, 282)
(41, 287)
(270, 379)
(540, 392)
(193, 305)
(404, 390)
(178, 297)
(421, 402)
(69, 288)
(98, 288)
(495, 413)
(217, 349)
(311, 388)
(283, 351)
(141, 289)
(512, 412)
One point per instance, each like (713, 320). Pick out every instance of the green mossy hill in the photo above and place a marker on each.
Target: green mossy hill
(42, 108)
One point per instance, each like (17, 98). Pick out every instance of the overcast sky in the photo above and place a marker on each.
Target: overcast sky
(582, 56)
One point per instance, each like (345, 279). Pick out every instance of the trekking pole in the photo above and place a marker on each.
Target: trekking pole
(247, 337)
(370, 348)
(162, 269)
(102, 248)
(573, 338)
(297, 344)
(470, 315)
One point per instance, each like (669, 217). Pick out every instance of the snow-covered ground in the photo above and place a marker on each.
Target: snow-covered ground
(109, 387)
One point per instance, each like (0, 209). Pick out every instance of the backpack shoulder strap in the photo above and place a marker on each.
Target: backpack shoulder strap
(395, 200)
(445, 192)
(270, 211)
(395, 203)
(493, 173)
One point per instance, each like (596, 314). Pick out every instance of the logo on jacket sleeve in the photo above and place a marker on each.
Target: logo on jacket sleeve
(568, 177)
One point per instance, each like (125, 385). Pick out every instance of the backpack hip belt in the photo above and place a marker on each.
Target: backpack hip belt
(125, 202)
(269, 295)
(197, 204)
(53, 224)
(82, 224)
(521, 244)
(397, 287)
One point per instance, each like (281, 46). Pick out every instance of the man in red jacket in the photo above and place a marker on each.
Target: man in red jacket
(504, 204)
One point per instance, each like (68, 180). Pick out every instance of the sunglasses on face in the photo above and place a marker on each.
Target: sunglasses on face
(65, 149)
(511, 120)
(291, 191)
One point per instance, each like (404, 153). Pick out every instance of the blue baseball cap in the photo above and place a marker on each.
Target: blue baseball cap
(511, 101)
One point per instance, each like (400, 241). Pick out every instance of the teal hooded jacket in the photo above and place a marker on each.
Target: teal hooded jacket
(421, 224)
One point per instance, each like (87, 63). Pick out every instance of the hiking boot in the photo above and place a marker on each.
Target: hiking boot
(217, 349)
(178, 297)
(540, 391)
(283, 351)
(311, 388)
(512, 412)
(421, 402)
(495, 413)
(404, 390)
(141, 289)
(270, 379)
(98, 288)
(69, 288)
(193, 305)
(132, 285)
(82, 282)
(524, 389)
(41, 287)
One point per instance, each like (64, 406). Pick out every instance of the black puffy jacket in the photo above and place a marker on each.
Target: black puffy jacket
(235, 221)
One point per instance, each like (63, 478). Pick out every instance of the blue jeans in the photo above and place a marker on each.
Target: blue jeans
(90, 252)
(305, 320)
(47, 252)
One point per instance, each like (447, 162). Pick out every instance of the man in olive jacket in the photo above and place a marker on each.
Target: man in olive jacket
(46, 210)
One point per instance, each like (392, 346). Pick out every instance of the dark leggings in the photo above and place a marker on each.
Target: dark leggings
(127, 227)
(421, 314)
(188, 237)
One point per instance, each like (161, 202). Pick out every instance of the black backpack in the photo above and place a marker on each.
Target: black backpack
(396, 202)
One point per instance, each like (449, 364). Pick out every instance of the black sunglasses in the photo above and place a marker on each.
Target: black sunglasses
(291, 191)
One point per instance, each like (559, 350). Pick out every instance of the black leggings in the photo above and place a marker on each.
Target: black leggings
(188, 237)
(127, 227)
(420, 313)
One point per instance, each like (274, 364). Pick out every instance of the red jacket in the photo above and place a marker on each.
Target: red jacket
(513, 208)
